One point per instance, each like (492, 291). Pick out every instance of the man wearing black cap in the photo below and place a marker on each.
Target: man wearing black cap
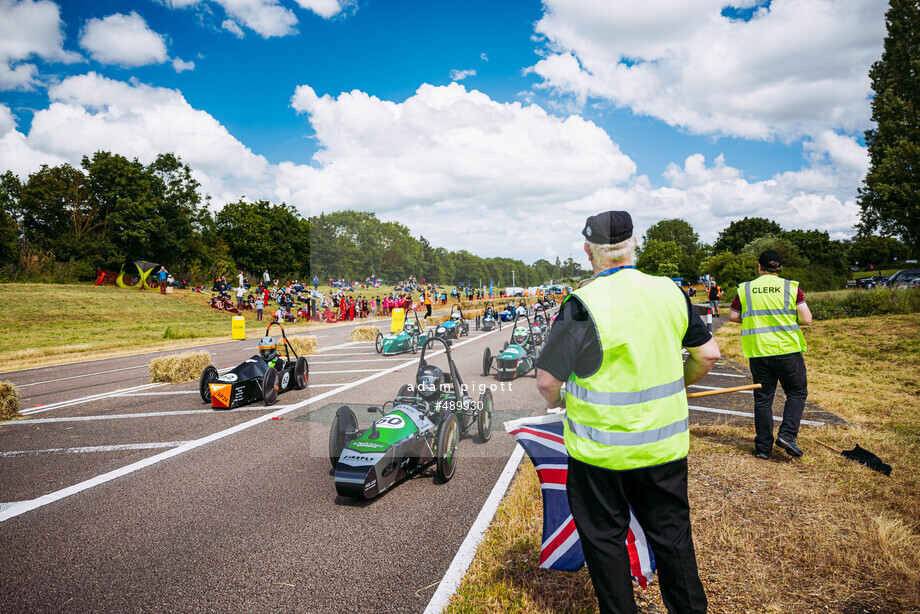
(770, 310)
(616, 344)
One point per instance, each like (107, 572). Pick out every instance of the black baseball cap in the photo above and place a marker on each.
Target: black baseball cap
(771, 259)
(608, 227)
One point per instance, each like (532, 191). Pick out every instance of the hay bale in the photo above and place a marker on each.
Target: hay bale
(364, 333)
(178, 368)
(9, 401)
(304, 346)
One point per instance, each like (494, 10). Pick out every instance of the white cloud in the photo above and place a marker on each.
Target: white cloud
(483, 57)
(460, 75)
(232, 27)
(182, 66)
(27, 29)
(323, 8)
(123, 40)
(796, 68)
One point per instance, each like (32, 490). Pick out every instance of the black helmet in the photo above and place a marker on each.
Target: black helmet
(429, 380)
(268, 348)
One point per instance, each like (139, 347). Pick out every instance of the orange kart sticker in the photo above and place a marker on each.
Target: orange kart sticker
(220, 394)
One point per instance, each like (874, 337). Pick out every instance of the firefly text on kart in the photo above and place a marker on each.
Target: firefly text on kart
(489, 320)
(518, 358)
(259, 378)
(423, 425)
(408, 339)
(455, 327)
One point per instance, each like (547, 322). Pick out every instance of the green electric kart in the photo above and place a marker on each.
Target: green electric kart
(422, 425)
(408, 339)
(517, 358)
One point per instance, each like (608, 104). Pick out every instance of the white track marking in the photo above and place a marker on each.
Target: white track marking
(466, 552)
(712, 410)
(157, 394)
(365, 361)
(325, 385)
(61, 379)
(151, 414)
(26, 506)
(312, 372)
(701, 388)
(94, 397)
(115, 448)
(727, 374)
(352, 354)
(4, 506)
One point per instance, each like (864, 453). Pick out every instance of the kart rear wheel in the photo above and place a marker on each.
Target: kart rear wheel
(301, 373)
(270, 386)
(207, 376)
(484, 416)
(343, 421)
(486, 361)
(378, 343)
(477, 322)
(413, 344)
(447, 443)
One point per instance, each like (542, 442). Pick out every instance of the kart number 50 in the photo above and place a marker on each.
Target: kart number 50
(391, 422)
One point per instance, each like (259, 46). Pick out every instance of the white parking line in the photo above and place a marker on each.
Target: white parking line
(116, 448)
(151, 414)
(712, 410)
(26, 506)
(94, 397)
(61, 379)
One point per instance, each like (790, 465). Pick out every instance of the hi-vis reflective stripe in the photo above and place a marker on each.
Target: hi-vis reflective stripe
(790, 328)
(789, 309)
(641, 438)
(597, 397)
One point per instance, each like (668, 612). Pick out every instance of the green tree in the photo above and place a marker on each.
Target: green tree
(660, 258)
(262, 235)
(739, 233)
(818, 248)
(875, 250)
(682, 234)
(10, 189)
(890, 198)
(729, 270)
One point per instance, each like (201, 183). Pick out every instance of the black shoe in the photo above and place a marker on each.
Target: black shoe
(761, 456)
(789, 446)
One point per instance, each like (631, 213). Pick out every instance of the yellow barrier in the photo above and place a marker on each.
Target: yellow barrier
(396, 323)
(238, 328)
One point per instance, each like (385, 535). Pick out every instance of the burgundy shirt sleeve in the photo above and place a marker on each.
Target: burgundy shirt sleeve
(736, 304)
(799, 298)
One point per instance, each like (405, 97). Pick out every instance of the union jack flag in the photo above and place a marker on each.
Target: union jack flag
(542, 439)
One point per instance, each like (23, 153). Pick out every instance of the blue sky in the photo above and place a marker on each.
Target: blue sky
(491, 126)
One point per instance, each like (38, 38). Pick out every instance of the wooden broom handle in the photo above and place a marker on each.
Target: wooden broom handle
(709, 393)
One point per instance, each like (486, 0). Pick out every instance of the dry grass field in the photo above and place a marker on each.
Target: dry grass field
(817, 534)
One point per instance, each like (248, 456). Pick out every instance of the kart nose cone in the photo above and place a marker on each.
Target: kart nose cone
(220, 395)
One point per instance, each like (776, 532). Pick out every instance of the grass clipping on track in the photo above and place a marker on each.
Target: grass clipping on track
(9, 401)
(304, 346)
(178, 368)
(816, 534)
(364, 333)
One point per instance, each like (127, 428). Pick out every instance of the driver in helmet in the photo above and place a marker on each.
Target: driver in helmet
(428, 382)
(268, 350)
(455, 316)
(521, 337)
(410, 327)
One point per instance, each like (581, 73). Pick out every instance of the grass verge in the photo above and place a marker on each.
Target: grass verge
(816, 534)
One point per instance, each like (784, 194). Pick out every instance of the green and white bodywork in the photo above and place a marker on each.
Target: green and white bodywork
(518, 357)
(409, 338)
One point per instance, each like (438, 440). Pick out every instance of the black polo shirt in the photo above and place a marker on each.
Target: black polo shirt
(573, 345)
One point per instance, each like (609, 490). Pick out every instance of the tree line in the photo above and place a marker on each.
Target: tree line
(64, 223)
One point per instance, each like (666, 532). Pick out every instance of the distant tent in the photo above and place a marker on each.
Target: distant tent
(143, 269)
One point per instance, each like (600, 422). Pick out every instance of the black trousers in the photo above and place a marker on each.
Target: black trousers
(600, 501)
(789, 371)
(428, 310)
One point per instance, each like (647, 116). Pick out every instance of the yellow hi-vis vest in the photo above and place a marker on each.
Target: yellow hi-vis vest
(632, 412)
(769, 326)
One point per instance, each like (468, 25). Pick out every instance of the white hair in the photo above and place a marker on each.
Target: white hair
(609, 255)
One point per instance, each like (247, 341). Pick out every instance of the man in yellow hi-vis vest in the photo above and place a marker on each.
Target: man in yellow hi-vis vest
(616, 344)
(770, 310)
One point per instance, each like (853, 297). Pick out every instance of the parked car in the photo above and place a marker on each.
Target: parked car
(902, 278)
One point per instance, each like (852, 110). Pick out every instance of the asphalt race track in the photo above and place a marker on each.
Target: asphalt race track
(120, 495)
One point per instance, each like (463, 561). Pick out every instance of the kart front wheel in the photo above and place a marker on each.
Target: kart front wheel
(270, 386)
(486, 362)
(447, 442)
(301, 373)
(477, 322)
(378, 343)
(343, 422)
(505, 346)
(484, 417)
(405, 391)
(204, 384)
(413, 344)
